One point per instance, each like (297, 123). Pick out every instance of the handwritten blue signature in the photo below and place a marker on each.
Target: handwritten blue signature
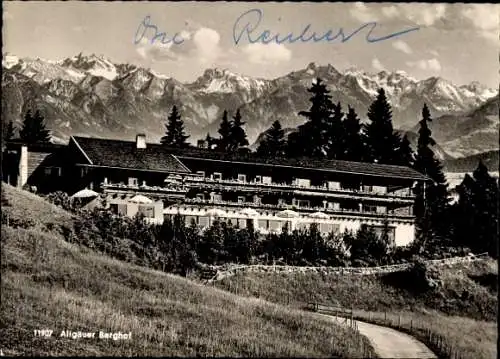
(147, 27)
(247, 25)
(249, 21)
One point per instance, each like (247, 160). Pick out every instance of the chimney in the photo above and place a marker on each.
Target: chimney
(140, 140)
(23, 167)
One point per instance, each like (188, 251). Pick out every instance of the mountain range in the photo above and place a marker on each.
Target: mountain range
(91, 95)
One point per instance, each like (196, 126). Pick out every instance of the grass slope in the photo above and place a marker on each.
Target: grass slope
(48, 283)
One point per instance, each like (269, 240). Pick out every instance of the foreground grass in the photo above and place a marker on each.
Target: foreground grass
(460, 314)
(48, 283)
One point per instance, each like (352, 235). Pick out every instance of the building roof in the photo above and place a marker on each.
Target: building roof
(124, 154)
(155, 157)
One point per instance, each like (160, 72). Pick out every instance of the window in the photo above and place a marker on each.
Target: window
(266, 180)
(132, 181)
(147, 211)
(203, 221)
(379, 231)
(216, 197)
(303, 203)
(200, 196)
(263, 223)
(369, 208)
(333, 185)
(258, 179)
(47, 171)
(217, 176)
(241, 199)
(302, 182)
(242, 178)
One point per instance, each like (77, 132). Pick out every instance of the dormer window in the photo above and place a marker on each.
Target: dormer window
(217, 176)
(242, 178)
(132, 181)
(258, 179)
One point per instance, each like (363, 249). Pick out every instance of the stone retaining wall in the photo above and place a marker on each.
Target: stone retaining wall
(227, 271)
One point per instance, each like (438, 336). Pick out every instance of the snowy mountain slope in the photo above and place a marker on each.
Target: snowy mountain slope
(123, 98)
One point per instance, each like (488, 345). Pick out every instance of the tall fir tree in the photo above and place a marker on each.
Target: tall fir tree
(313, 135)
(352, 141)
(224, 141)
(33, 130)
(10, 131)
(273, 144)
(432, 202)
(238, 137)
(485, 199)
(404, 154)
(175, 136)
(380, 139)
(335, 133)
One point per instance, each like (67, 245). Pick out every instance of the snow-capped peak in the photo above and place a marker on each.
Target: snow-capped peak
(93, 64)
(9, 60)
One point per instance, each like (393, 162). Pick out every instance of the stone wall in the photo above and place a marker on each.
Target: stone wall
(227, 271)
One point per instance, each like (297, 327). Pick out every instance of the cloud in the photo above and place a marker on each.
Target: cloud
(431, 64)
(421, 14)
(484, 18)
(156, 52)
(390, 11)
(206, 41)
(402, 46)
(434, 53)
(361, 12)
(377, 65)
(267, 54)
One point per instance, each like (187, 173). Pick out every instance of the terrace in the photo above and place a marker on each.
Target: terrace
(404, 195)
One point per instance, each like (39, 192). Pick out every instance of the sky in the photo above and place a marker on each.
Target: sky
(459, 42)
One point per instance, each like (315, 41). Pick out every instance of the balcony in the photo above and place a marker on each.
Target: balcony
(311, 209)
(324, 191)
(158, 190)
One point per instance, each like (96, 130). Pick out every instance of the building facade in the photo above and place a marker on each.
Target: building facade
(247, 191)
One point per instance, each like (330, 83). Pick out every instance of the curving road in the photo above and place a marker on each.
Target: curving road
(390, 343)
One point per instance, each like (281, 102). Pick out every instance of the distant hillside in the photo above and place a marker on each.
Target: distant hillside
(469, 163)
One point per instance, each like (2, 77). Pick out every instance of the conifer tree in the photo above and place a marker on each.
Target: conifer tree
(224, 141)
(381, 141)
(238, 137)
(175, 136)
(485, 200)
(335, 133)
(313, 135)
(352, 141)
(33, 130)
(404, 155)
(274, 143)
(432, 198)
(10, 131)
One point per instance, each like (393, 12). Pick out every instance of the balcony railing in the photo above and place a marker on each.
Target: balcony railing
(145, 188)
(310, 209)
(293, 187)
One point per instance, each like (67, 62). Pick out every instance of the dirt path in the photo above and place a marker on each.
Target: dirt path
(389, 343)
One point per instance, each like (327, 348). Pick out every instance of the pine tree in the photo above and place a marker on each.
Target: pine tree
(404, 155)
(175, 136)
(485, 199)
(33, 130)
(274, 143)
(432, 198)
(238, 137)
(336, 133)
(10, 131)
(381, 141)
(352, 141)
(313, 135)
(223, 142)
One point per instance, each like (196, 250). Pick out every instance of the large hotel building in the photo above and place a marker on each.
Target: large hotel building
(203, 185)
